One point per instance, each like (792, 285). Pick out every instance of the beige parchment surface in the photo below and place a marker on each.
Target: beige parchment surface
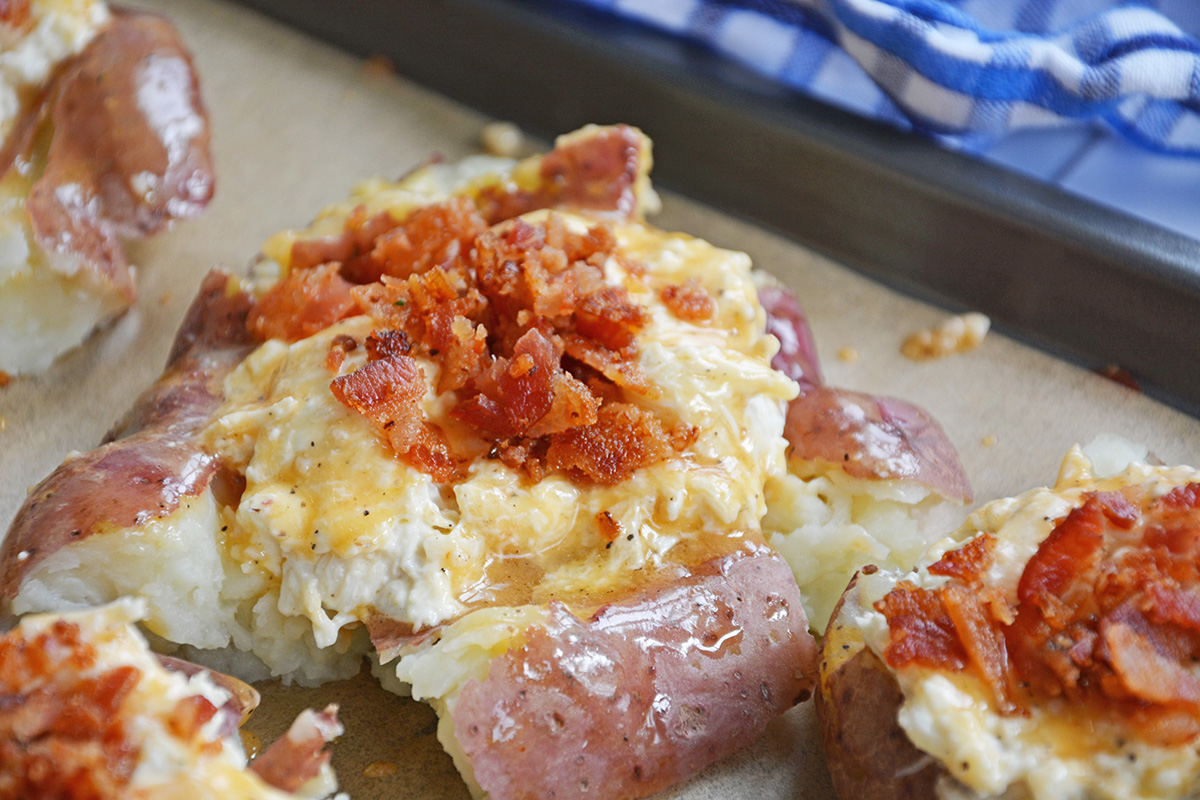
(295, 124)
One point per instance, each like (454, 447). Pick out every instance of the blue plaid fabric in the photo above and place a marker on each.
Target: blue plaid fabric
(966, 71)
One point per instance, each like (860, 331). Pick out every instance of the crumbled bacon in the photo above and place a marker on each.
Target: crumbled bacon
(519, 319)
(14, 13)
(388, 392)
(338, 348)
(969, 561)
(624, 438)
(689, 301)
(347, 249)
(609, 528)
(1107, 615)
(302, 304)
(921, 629)
(61, 735)
(386, 343)
(431, 236)
(529, 394)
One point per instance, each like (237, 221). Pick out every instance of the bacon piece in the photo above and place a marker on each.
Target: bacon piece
(347, 248)
(129, 150)
(689, 301)
(646, 692)
(922, 631)
(787, 322)
(620, 368)
(1072, 548)
(1147, 662)
(243, 698)
(14, 13)
(624, 438)
(595, 169)
(387, 343)
(303, 303)
(61, 733)
(983, 644)
(296, 758)
(529, 390)
(431, 236)
(152, 459)
(875, 438)
(388, 392)
(968, 562)
(339, 347)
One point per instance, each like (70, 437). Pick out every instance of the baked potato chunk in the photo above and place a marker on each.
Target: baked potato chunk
(1048, 649)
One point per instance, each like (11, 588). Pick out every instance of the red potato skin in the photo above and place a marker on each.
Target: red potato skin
(866, 750)
(869, 437)
(127, 108)
(152, 459)
(646, 692)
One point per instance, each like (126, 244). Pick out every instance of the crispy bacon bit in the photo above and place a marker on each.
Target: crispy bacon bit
(1074, 546)
(624, 438)
(431, 237)
(690, 301)
(517, 396)
(302, 304)
(356, 240)
(921, 628)
(338, 348)
(983, 644)
(61, 733)
(189, 716)
(388, 392)
(1107, 615)
(14, 13)
(386, 343)
(609, 528)
(968, 562)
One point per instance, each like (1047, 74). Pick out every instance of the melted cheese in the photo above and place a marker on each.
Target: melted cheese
(1054, 752)
(346, 529)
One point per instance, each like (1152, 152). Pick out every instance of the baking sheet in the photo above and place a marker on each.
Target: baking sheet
(295, 124)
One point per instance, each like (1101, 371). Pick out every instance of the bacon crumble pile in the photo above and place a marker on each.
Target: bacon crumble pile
(81, 708)
(1107, 615)
(538, 348)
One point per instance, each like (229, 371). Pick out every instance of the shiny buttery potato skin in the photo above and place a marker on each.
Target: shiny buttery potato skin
(867, 752)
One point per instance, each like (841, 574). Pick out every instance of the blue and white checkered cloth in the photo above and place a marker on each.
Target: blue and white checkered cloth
(966, 71)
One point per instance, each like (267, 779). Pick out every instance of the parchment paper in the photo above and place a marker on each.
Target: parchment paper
(295, 124)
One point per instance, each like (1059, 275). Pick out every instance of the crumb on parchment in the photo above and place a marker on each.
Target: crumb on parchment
(501, 139)
(955, 334)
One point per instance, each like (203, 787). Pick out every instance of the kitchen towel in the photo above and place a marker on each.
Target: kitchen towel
(965, 71)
